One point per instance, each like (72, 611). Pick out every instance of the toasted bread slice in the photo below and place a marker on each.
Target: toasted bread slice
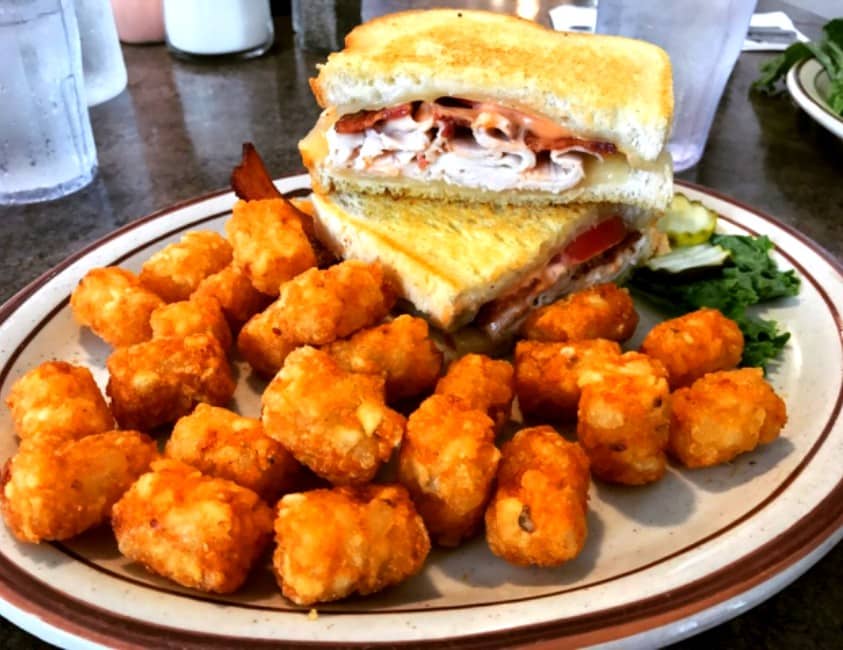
(603, 88)
(450, 258)
(611, 180)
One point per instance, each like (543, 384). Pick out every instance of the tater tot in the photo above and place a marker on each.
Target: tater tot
(176, 271)
(159, 381)
(547, 375)
(604, 311)
(58, 398)
(269, 244)
(624, 417)
(538, 512)
(221, 443)
(113, 303)
(194, 316)
(448, 462)
(201, 532)
(321, 306)
(334, 421)
(724, 414)
(486, 384)
(694, 344)
(401, 350)
(332, 543)
(234, 292)
(55, 489)
(262, 342)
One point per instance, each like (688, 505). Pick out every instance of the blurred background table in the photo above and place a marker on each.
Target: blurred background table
(176, 132)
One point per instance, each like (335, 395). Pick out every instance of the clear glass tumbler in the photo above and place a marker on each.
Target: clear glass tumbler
(703, 40)
(102, 58)
(46, 145)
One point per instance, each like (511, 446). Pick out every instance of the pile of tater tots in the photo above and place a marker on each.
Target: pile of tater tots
(201, 495)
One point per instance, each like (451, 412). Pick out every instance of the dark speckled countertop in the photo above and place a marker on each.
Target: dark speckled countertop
(176, 132)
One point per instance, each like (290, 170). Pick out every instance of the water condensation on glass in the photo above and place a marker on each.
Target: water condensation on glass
(46, 144)
(703, 39)
(102, 58)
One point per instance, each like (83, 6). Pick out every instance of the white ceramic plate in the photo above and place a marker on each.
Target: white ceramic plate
(661, 562)
(808, 84)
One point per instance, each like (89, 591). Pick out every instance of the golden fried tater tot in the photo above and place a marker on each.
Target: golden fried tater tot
(724, 414)
(194, 316)
(538, 512)
(332, 420)
(262, 342)
(448, 462)
(223, 444)
(201, 532)
(114, 304)
(55, 489)
(486, 384)
(547, 375)
(58, 398)
(401, 350)
(159, 381)
(237, 297)
(694, 344)
(332, 543)
(321, 306)
(269, 244)
(604, 311)
(176, 271)
(624, 417)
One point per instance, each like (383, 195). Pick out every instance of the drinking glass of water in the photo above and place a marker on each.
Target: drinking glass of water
(102, 58)
(703, 40)
(46, 145)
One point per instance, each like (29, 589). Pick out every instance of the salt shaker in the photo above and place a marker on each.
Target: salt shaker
(102, 58)
(209, 28)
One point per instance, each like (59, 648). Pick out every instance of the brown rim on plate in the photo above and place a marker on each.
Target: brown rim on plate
(172, 589)
(346, 608)
(822, 104)
(90, 622)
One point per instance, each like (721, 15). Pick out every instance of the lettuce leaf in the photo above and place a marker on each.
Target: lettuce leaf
(776, 68)
(828, 51)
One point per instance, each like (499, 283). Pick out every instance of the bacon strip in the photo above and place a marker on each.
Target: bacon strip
(251, 182)
(454, 115)
(537, 143)
(362, 120)
(452, 112)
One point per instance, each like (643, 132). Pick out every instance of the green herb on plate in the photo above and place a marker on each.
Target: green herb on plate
(747, 277)
(828, 52)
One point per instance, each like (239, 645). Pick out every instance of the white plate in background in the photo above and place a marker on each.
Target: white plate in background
(808, 84)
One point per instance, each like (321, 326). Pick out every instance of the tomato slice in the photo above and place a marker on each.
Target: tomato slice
(600, 237)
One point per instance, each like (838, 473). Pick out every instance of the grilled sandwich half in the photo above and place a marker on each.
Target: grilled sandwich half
(480, 106)
(483, 263)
